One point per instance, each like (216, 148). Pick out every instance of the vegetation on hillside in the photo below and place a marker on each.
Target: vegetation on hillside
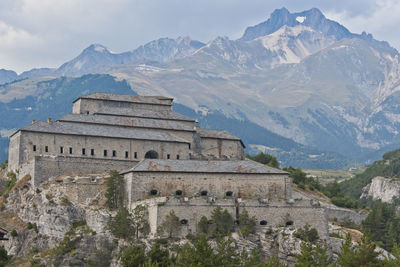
(265, 159)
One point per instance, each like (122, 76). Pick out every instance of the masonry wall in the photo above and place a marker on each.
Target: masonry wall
(45, 168)
(221, 149)
(216, 184)
(91, 106)
(343, 215)
(54, 142)
(14, 152)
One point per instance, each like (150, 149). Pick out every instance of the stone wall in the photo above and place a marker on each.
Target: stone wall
(273, 213)
(45, 168)
(91, 106)
(54, 142)
(140, 185)
(343, 215)
(221, 149)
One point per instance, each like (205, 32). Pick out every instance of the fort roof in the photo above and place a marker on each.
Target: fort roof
(218, 134)
(127, 121)
(153, 100)
(204, 166)
(143, 113)
(69, 128)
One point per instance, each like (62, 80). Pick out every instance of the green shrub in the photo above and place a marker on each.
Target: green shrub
(121, 225)
(4, 258)
(307, 234)
(14, 233)
(133, 256)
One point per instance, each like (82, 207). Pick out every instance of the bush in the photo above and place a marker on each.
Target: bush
(133, 256)
(121, 225)
(307, 234)
(4, 258)
(265, 159)
(247, 224)
(14, 233)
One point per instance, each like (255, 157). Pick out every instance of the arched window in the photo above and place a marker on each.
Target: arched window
(153, 192)
(203, 193)
(289, 223)
(178, 192)
(263, 222)
(184, 221)
(229, 193)
(151, 155)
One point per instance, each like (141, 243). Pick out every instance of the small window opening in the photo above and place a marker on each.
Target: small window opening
(184, 221)
(153, 192)
(189, 146)
(177, 156)
(114, 153)
(34, 148)
(151, 155)
(83, 151)
(61, 149)
(135, 155)
(46, 149)
(168, 156)
(178, 192)
(105, 153)
(70, 150)
(126, 154)
(92, 152)
(87, 112)
(203, 193)
(229, 193)
(289, 223)
(263, 222)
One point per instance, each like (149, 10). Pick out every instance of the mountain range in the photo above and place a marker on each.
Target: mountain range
(325, 92)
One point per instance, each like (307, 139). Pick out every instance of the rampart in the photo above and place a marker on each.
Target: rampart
(43, 168)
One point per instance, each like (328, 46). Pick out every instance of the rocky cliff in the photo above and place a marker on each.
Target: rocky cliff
(381, 188)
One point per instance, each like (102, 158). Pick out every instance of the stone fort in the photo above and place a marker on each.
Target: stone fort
(167, 161)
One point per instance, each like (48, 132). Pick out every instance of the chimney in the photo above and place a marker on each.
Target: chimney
(48, 120)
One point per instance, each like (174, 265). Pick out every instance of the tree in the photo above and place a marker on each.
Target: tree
(198, 254)
(223, 222)
(247, 224)
(4, 258)
(202, 225)
(160, 256)
(140, 220)
(115, 190)
(310, 257)
(362, 254)
(171, 223)
(265, 159)
(133, 256)
(121, 225)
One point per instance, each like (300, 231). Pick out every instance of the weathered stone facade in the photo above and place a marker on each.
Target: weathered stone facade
(167, 161)
(123, 129)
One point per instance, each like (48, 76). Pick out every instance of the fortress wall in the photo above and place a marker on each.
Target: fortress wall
(192, 211)
(99, 144)
(91, 106)
(220, 148)
(14, 152)
(216, 184)
(343, 215)
(46, 168)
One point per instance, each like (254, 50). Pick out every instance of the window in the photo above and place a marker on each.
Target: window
(189, 146)
(83, 151)
(184, 221)
(114, 154)
(70, 150)
(135, 155)
(263, 222)
(126, 154)
(177, 156)
(92, 152)
(178, 192)
(46, 149)
(151, 155)
(203, 193)
(168, 156)
(61, 149)
(34, 148)
(105, 153)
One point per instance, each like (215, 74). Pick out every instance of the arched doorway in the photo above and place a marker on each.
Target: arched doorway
(151, 155)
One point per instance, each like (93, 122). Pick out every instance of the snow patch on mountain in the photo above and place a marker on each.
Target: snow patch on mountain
(300, 19)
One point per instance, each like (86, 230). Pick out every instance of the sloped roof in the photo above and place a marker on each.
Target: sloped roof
(125, 98)
(69, 128)
(204, 166)
(217, 134)
(127, 121)
(143, 113)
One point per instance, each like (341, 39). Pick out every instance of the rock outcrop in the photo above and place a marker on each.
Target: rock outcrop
(381, 188)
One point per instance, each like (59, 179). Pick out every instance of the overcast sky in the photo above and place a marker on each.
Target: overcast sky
(46, 33)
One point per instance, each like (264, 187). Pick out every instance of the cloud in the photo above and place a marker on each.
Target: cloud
(46, 33)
